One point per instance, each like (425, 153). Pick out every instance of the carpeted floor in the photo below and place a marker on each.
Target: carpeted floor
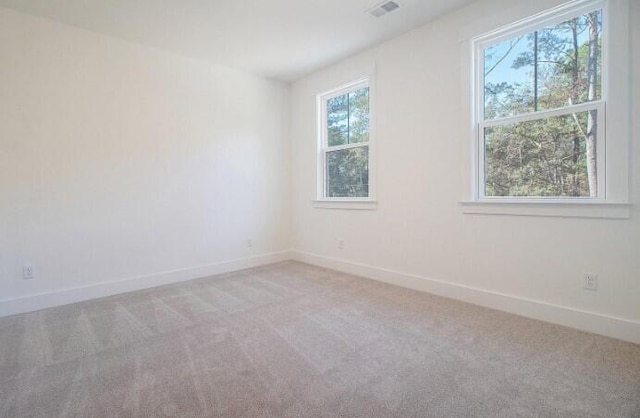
(292, 340)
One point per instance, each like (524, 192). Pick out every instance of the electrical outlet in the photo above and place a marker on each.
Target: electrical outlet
(28, 272)
(340, 244)
(590, 281)
(249, 243)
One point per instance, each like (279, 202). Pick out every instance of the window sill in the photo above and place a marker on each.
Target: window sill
(549, 209)
(345, 204)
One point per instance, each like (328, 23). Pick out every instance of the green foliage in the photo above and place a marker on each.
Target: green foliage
(348, 172)
(540, 156)
(338, 120)
(348, 118)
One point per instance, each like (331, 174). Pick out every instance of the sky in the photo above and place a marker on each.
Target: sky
(504, 70)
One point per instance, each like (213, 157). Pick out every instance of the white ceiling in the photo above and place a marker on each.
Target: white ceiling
(281, 39)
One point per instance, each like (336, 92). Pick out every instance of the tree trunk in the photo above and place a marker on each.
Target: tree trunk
(592, 116)
(575, 89)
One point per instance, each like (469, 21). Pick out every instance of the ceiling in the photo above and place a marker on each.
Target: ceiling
(280, 39)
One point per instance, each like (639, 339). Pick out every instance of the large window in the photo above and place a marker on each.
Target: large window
(344, 143)
(540, 107)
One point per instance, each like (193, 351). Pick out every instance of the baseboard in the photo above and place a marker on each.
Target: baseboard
(620, 328)
(77, 294)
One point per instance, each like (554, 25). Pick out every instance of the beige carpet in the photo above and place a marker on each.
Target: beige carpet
(291, 340)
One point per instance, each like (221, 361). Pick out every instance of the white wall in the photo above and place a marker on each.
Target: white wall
(423, 153)
(119, 161)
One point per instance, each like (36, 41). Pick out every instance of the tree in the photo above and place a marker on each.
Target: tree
(592, 119)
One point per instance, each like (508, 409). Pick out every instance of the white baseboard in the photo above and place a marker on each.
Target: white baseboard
(620, 328)
(610, 326)
(98, 290)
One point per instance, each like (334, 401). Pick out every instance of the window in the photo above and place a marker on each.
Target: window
(540, 107)
(344, 155)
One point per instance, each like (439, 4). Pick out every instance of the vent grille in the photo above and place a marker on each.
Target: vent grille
(390, 6)
(384, 8)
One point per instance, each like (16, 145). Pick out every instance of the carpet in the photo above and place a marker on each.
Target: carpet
(294, 340)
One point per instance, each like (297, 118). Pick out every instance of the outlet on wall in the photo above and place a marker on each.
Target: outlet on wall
(28, 272)
(590, 281)
(249, 243)
(340, 243)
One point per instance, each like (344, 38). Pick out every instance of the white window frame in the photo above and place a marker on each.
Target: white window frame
(322, 201)
(612, 147)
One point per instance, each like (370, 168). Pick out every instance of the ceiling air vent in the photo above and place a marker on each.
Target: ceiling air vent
(383, 8)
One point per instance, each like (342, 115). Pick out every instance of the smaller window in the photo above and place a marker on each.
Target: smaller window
(344, 143)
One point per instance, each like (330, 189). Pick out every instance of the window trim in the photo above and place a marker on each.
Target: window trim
(358, 203)
(521, 27)
(548, 208)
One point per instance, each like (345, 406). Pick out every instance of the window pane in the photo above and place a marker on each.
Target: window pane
(550, 68)
(338, 120)
(359, 115)
(348, 172)
(552, 157)
(508, 83)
